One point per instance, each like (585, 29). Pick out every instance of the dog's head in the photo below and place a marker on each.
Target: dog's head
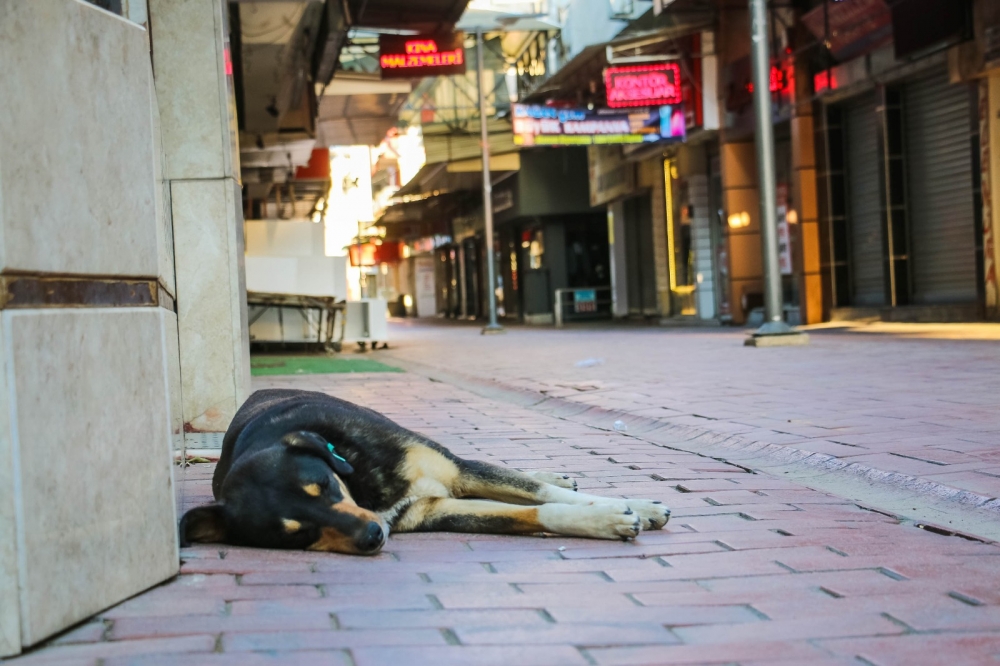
(288, 496)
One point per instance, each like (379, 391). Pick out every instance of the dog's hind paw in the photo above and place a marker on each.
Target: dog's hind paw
(560, 480)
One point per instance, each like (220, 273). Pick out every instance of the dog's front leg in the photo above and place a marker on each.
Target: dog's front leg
(599, 521)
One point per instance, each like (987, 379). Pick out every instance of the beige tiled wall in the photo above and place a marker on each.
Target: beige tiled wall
(87, 515)
(89, 421)
(76, 159)
(214, 344)
(201, 173)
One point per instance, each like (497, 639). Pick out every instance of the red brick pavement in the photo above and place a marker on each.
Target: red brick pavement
(752, 569)
(914, 411)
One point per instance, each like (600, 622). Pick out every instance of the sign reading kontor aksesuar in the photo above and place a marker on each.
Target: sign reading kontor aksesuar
(536, 125)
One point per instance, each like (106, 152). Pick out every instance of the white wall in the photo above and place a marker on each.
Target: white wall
(279, 238)
(301, 276)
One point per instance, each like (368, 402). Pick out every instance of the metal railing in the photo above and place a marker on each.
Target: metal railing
(582, 303)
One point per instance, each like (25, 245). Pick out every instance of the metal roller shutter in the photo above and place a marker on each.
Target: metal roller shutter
(942, 216)
(865, 208)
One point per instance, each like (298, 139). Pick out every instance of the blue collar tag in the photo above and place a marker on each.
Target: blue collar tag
(333, 452)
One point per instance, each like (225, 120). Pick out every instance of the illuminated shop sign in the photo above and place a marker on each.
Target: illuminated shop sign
(825, 80)
(646, 85)
(779, 81)
(739, 86)
(547, 126)
(411, 56)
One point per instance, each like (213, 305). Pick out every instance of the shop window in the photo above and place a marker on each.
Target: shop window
(897, 250)
(679, 244)
(534, 242)
(835, 209)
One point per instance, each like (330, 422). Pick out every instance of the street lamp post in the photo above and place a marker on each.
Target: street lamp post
(774, 332)
(492, 326)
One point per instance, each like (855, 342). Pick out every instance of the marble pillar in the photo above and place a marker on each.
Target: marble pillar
(87, 514)
(201, 170)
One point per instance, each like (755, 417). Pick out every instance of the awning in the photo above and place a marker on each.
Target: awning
(647, 35)
(426, 217)
(438, 178)
(358, 109)
(419, 15)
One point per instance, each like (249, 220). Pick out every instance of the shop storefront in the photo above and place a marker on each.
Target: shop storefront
(899, 133)
(735, 223)
(904, 214)
(548, 235)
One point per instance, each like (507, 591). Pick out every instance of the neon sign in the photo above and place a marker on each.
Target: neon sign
(645, 85)
(779, 81)
(535, 125)
(410, 56)
(825, 80)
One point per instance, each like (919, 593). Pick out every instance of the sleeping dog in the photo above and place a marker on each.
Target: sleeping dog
(304, 470)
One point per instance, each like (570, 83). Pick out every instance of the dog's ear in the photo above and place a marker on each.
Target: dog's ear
(312, 444)
(203, 524)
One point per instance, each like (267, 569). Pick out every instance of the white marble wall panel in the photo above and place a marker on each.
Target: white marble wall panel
(172, 345)
(188, 44)
(211, 301)
(164, 223)
(10, 616)
(76, 150)
(89, 412)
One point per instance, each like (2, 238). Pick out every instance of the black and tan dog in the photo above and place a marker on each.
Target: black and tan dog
(303, 470)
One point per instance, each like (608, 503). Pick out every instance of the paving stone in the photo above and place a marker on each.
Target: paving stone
(315, 658)
(920, 650)
(290, 641)
(809, 628)
(131, 649)
(769, 652)
(534, 655)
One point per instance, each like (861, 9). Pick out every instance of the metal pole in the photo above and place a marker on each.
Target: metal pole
(492, 326)
(761, 65)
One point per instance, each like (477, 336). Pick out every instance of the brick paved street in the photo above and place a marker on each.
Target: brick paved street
(905, 418)
(754, 568)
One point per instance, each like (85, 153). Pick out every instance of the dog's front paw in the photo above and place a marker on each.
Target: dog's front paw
(598, 521)
(653, 513)
(560, 480)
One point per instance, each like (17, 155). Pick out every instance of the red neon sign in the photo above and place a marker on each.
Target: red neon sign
(421, 55)
(643, 85)
(825, 80)
(779, 81)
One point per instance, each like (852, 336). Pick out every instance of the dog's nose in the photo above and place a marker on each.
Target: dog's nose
(373, 538)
